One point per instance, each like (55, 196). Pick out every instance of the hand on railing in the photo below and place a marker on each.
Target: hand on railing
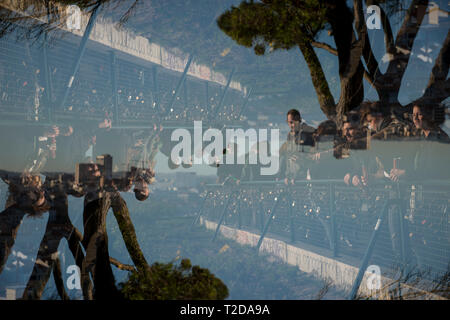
(286, 181)
(395, 174)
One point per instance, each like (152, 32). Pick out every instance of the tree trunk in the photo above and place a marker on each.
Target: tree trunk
(326, 100)
(10, 221)
(95, 241)
(126, 227)
(58, 226)
(351, 69)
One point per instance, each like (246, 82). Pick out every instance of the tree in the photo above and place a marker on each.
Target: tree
(169, 282)
(285, 24)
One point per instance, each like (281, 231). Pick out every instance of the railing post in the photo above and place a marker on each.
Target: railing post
(185, 93)
(155, 89)
(207, 96)
(238, 208)
(369, 250)
(403, 228)
(291, 214)
(261, 211)
(222, 216)
(222, 97)
(180, 82)
(245, 104)
(48, 80)
(197, 217)
(114, 88)
(80, 54)
(332, 204)
(269, 221)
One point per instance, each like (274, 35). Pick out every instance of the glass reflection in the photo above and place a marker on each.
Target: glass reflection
(89, 113)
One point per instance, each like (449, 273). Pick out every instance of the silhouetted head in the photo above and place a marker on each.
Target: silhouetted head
(326, 130)
(141, 191)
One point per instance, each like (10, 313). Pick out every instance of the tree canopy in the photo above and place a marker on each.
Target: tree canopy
(285, 24)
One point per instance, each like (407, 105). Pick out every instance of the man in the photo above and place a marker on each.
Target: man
(350, 137)
(325, 165)
(294, 152)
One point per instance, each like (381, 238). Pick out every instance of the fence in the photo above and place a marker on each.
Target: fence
(389, 225)
(35, 76)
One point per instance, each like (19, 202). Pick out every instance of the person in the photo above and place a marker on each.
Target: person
(296, 153)
(142, 178)
(425, 127)
(351, 137)
(325, 166)
(428, 151)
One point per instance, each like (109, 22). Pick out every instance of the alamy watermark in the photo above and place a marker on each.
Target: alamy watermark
(212, 153)
(373, 20)
(373, 17)
(374, 278)
(73, 281)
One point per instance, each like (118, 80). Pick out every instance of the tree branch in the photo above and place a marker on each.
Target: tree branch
(121, 265)
(387, 29)
(351, 69)
(373, 71)
(326, 100)
(57, 276)
(437, 88)
(48, 251)
(95, 241)
(126, 227)
(324, 46)
(369, 78)
(403, 46)
(74, 241)
(10, 221)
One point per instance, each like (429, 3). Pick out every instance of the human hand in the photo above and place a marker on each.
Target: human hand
(364, 180)
(347, 179)
(294, 158)
(356, 181)
(395, 174)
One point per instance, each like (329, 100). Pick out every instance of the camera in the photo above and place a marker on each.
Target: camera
(94, 173)
(141, 174)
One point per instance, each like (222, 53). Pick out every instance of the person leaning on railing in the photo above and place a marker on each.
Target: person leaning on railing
(349, 148)
(430, 156)
(296, 154)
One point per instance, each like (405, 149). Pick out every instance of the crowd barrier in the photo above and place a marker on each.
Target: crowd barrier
(388, 224)
(37, 87)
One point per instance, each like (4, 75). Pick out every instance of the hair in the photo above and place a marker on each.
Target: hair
(427, 114)
(327, 127)
(139, 195)
(373, 108)
(295, 114)
(353, 117)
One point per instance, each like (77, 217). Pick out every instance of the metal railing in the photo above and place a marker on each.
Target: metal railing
(389, 224)
(42, 86)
